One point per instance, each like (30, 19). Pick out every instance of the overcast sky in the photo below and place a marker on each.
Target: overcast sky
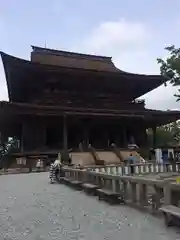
(134, 33)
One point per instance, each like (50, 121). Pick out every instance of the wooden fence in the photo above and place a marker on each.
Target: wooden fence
(139, 191)
(138, 169)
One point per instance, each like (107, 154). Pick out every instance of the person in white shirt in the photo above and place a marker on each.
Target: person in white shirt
(38, 165)
(55, 170)
(57, 162)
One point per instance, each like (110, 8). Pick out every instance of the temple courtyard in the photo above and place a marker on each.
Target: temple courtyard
(31, 208)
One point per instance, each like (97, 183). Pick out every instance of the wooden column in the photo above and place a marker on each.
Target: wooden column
(33, 134)
(22, 140)
(154, 136)
(44, 135)
(65, 138)
(167, 194)
(86, 135)
(145, 138)
(3, 137)
(134, 192)
(143, 195)
(27, 140)
(141, 135)
(124, 137)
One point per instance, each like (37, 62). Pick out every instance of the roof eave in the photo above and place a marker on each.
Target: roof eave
(6, 75)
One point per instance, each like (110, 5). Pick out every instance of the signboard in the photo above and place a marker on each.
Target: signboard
(21, 161)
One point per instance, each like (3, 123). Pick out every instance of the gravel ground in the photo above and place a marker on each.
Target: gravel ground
(33, 209)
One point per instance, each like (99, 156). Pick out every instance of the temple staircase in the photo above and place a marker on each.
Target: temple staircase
(82, 158)
(95, 156)
(117, 152)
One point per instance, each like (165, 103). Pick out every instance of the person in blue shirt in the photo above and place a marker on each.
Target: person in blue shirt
(132, 160)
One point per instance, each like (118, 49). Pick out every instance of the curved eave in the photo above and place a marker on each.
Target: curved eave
(152, 114)
(9, 112)
(6, 75)
(18, 70)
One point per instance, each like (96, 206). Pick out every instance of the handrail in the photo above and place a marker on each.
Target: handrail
(134, 188)
(116, 151)
(94, 154)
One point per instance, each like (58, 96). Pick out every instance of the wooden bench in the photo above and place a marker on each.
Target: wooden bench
(89, 188)
(67, 180)
(76, 184)
(171, 215)
(110, 196)
(59, 179)
(73, 183)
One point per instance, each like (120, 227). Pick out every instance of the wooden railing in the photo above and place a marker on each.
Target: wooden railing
(138, 169)
(139, 191)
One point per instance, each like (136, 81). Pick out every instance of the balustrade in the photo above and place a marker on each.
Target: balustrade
(136, 190)
(139, 169)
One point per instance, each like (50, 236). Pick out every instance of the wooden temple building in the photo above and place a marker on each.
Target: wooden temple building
(60, 99)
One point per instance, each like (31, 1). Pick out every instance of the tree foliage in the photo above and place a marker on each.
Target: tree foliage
(165, 135)
(170, 67)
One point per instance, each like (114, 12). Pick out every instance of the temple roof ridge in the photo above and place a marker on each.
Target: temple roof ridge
(20, 72)
(71, 54)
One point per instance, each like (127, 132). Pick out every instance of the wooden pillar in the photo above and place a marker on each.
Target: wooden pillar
(26, 137)
(134, 192)
(167, 194)
(145, 138)
(43, 134)
(143, 195)
(154, 136)
(22, 140)
(124, 137)
(86, 136)
(65, 138)
(3, 137)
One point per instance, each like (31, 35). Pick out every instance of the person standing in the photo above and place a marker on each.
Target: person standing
(38, 165)
(172, 160)
(131, 160)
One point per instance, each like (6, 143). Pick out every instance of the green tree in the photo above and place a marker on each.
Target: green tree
(175, 131)
(165, 135)
(170, 67)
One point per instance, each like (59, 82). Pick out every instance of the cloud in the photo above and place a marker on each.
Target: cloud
(115, 37)
(132, 46)
(127, 42)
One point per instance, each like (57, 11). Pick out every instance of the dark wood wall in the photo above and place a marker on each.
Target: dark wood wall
(83, 99)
